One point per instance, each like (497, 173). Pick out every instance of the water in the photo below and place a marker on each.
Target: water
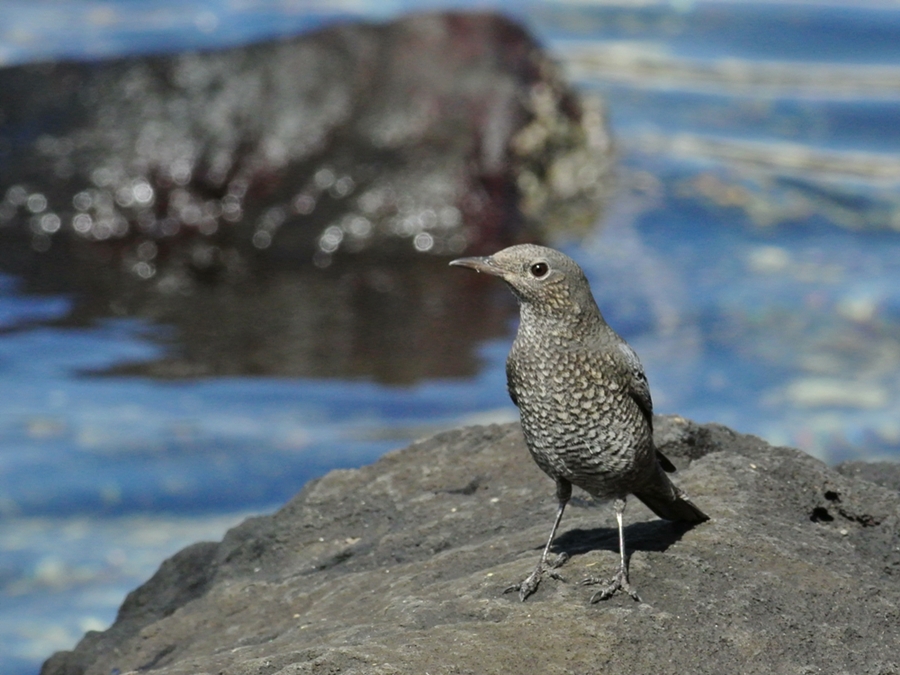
(751, 256)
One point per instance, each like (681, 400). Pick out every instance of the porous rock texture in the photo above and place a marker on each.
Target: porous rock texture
(400, 567)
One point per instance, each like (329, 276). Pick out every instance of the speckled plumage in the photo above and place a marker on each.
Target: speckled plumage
(584, 401)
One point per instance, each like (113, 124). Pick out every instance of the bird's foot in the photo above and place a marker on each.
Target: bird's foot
(617, 583)
(531, 583)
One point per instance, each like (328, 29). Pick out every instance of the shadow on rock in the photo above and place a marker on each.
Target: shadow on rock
(654, 535)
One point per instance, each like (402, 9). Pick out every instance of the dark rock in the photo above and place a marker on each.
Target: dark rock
(274, 203)
(399, 567)
(435, 133)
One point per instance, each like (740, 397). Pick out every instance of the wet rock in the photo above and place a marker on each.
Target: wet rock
(435, 133)
(285, 206)
(399, 567)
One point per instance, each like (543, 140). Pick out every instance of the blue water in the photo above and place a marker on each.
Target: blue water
(760, 293)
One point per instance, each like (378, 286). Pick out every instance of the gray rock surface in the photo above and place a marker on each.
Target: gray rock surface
(399, 567)
(885, 474)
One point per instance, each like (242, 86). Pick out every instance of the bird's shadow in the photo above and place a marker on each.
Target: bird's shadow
(654, 535)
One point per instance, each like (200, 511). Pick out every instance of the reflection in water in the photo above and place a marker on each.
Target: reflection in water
(392, 321)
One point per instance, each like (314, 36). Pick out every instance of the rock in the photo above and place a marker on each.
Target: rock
(885, 474)
(433, 133)
(308, 189)
(399, 567)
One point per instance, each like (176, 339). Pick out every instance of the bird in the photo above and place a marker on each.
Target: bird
(583, 399)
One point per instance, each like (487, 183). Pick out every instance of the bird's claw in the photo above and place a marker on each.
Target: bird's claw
(531, 583)
(617, 583)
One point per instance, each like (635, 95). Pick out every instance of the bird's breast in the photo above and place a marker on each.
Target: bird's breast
(580, 422)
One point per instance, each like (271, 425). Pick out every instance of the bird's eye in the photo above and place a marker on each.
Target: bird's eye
(539, 270)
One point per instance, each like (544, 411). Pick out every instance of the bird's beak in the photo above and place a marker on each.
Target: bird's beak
(485, 264)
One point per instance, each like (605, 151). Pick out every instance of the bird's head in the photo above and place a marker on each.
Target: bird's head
(547, 281)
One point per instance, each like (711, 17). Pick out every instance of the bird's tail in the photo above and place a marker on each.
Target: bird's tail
(672, 504)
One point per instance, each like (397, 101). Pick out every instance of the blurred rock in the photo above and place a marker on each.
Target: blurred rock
(400, 567)
(436, 133)
(278, 203)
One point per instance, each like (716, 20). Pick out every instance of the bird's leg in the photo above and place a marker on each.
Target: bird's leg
(529, 586)
(620, 581)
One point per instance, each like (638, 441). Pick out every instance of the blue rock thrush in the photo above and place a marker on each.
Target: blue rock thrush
(583, 399)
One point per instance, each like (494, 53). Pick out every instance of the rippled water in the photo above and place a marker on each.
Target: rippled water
(751, 256)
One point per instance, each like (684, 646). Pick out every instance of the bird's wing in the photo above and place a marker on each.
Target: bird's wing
(639, 389)
(509, 383)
